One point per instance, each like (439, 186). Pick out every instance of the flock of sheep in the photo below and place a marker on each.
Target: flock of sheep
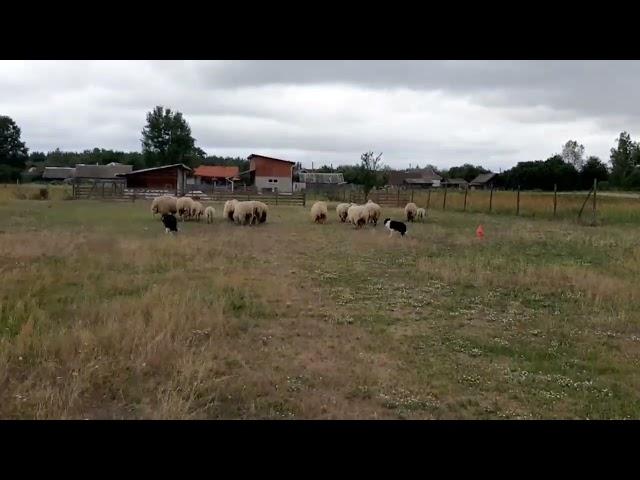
(361, 215)
(242, 213)
(255, 212)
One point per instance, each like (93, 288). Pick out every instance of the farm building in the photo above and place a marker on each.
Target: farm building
(455, 183)
(271, 174)
(112, 170)
(424, 178)
(58, 173)
(216, 175)
(484, 180)
(167, 177)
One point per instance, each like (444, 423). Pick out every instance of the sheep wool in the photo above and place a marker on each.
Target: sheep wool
(164, 204)
(341, 210)
(229, 207)
(410, 211)
(373, 212)
(184, 205)
(421, 213)
(259, 212)
(357, 215)
(319, 212)
(197, 210)
(243, 213)
(209, 213)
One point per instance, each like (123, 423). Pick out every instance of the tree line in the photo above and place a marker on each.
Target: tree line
(166, 138)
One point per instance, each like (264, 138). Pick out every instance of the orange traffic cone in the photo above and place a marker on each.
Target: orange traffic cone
(480, 232)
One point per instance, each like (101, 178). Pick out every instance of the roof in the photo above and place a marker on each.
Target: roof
(399, 177)
(313, 177)
(456, 181)
(58, 172)
(101, 171)
(420, 181)
(270, 158)
(483, 178)
(144, 170)
(211, 171)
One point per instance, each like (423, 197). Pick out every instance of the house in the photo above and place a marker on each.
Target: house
(271, 174)
(216, 174)
(167, 177)
(58, 173)
(110, 171)
(424, 178)
(459, 183)
(484, 180)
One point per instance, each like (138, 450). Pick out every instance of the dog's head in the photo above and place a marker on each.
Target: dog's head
(386, 221)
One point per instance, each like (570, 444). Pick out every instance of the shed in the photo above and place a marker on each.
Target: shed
(271, 174)
(112, 170)
(456, 183)
(484, 180)
(214, 174)
(58, 173)
(415, 178)
(167, 177)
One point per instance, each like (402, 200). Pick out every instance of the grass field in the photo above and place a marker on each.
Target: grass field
(102, 315)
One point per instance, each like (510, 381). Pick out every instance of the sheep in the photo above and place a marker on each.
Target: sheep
(341, 210)
(421, 213)
(373, 212)
(197, 210)
(259, 212)
(184, 205)
(357, 215)
(229, 207)
(410, 211)
(210, 213)
(243, 213)
(319, 212)
(164, 204)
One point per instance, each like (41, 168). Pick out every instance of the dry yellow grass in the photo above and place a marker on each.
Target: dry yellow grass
(102, 315)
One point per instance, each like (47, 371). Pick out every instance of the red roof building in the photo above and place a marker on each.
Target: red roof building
(216, 173)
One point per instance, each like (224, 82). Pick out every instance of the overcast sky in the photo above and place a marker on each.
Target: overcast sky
(493, 113)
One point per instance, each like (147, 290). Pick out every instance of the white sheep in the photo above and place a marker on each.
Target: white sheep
(259, 212)
(243, 213)
(164, 204)
(229, 207)
(357, 215)
(421, 213)
(184, 206)
(341, 210)
(209, 213)
(410, 211)
(197, 210)
(319, 212)
(373, 212)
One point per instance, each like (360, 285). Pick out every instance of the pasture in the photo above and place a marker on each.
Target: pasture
(104, 316)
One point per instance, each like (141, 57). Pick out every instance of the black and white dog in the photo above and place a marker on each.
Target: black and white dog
(394, 226)
(170, 223)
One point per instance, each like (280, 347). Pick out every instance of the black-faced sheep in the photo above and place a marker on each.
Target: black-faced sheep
(319, 212)
(410, 211)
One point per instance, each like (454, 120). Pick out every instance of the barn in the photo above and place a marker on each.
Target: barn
(271, 174)
(216, 174)
(167, 177)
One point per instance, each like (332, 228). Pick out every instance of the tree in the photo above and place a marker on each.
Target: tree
(13, 152)
(466, 171)
(592, 169)
(167, 139)
(621, 159)
(370, 166)
(573, 154)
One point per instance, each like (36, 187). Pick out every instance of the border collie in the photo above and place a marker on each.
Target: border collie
(170, 223)
(394, 226)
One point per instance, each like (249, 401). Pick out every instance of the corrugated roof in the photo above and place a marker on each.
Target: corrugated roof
(101, 171)
(314, 177)
(58, 172)
(181, 165)
(483, 178)
(211, 171)
(270, 158)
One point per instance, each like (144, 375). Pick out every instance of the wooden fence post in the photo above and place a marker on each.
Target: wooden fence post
(411, 194)
(555, 198)
(428, 197)
(595, 193)
(491, 199)
(518, 202)
(584, 203)
(444, 200)
(276, 197)
(466, 191)
(398, 198)
(304, 198)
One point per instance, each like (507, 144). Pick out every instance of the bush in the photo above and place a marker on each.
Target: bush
(604, 185)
